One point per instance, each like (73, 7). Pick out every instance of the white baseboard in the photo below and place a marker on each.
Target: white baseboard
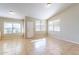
(63, 39)
(70, 41)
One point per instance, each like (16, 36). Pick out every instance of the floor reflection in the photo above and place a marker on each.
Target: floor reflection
(39, 43)
(37, 46)
(11, 48)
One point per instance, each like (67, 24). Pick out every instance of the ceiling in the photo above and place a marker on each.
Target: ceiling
(35, 10)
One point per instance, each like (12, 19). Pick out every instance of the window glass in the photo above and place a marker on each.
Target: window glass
(37, 26)
(43, 25)
(16, 28)
(40, 26)
(7, 28)
(50, 26)
(54, 25)
(12, 28)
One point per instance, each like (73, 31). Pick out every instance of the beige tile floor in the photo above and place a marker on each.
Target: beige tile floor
(38, 46)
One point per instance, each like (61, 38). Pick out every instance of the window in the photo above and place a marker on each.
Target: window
(54, 25)
(43, 25)
(40, 26)
(12, 28)
(50, 26)
(37, 26)
(16, 28)
(8, 28)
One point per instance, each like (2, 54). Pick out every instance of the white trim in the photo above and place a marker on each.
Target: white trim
(63, 39)
(69, 41)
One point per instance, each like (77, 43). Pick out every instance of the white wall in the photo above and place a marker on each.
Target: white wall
(69, 24)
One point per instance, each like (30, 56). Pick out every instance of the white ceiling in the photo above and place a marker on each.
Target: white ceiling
(35, 10)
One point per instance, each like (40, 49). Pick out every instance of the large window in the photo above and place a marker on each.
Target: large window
(54, 25)
(43, 25)
(40, 26)
(12, 28)
(50, 26)
(37, 26)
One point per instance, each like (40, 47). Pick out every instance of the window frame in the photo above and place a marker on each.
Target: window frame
(54, 25)
(42, 25)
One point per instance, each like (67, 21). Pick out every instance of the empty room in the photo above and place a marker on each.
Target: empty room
(39, 29)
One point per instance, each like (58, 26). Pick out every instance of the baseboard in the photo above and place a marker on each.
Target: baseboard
(64, 39)
(69, 41)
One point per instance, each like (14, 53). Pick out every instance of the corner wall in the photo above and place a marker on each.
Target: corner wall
(69, 25)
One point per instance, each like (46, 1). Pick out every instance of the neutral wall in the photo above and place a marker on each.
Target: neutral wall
(36, 33)
(7, 36)
(26, 20)
(69, 24)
